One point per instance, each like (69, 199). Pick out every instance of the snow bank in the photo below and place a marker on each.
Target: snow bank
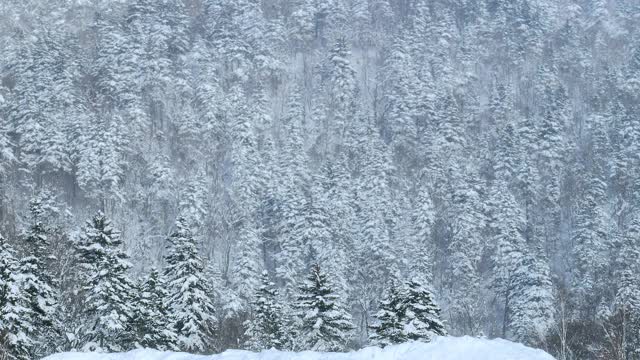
(443, 348)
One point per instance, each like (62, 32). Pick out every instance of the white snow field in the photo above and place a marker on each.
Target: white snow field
(442, 348)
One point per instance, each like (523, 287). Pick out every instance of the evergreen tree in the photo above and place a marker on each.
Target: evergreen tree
(507, 224)
(552, 147)
(389, 328)
(627, 297)
(408, 312)
(245, 156)
(151, 316)
(192, 204)
(191, 308)
(40, 304)
(38, 280)
(248, 260)
(501, 114)
(398, 88)
(7, 156)
(529, 186)
(373, 203)
(16, 316)
(421, 314)
(108, 291)
(101, 160)
(342, 90)
(531, 300)
(117, 83)
(336, 198)
(591, 241)
(291, 197)
(324, 324)
(323, 242)
(266, 329)
(464, 252)
(248, 186)
(43, 102)
(420, 244)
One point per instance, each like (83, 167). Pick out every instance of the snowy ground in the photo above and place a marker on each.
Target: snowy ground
(444, 348)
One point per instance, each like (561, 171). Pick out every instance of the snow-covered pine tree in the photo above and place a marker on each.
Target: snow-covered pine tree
(107, 287)
(334, 195)
(389, 329)
(191, 307)
(118, 84)
(420, 247)
(246, 189)
(302, 25)
(552, 146)
(627, 297)
(591, 241)
(506, 224)
(151, 314)
(530, 304)
(39, 283)
(397, 89)
(318, 236)
(421, 314)
(501, 114)
(248, 260)
(101, 160)
(192, 205)
(7, 156)
(373, 203)
(229, 36)
(40, 304)
(342, 91)
(266, 329)
(324, 325)
(408, 312)
(16, 316)
(41, 105)
(464, 249)
(291, 199)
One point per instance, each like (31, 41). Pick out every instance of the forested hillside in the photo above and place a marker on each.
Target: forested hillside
(156, 154)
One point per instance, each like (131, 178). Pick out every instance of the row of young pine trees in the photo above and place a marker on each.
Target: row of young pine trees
(174, 309)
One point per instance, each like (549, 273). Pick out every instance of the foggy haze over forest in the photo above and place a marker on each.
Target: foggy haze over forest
(194, 175)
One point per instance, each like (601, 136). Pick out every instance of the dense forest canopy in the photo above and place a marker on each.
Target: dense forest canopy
(486, 152)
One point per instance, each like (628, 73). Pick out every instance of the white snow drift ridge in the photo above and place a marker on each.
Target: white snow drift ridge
(442, 348)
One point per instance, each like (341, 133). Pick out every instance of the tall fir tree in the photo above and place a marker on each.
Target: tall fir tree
(324, 324)
(267, 327)
(591, 245)
(421, 245)
(627, 298)
(291, 196)
(389, 329)
(7, 155)
(248, 261)
(151, 325)
(16, 315)
(464, 252)
(191, 307)
(531, 315)
(342, 91)
(507, 225)
(421, 312)
(407, 313)
(40, 283)
(108, 290)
